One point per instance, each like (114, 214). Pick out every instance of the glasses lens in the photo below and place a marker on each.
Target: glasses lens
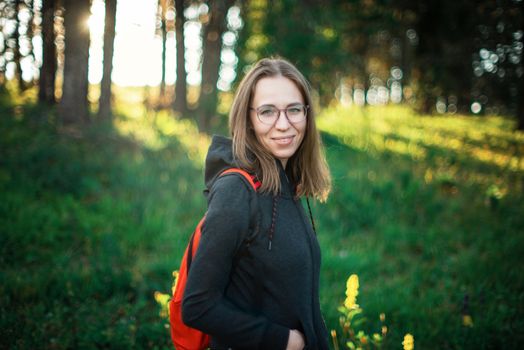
(296, 113)
(267, 114)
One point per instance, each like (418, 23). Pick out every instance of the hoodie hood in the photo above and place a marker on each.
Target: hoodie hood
(219, 158)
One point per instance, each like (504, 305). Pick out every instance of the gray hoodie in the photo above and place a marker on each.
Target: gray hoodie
(250, 296)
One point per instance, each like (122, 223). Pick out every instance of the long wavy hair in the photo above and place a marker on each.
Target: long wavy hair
(308, 166)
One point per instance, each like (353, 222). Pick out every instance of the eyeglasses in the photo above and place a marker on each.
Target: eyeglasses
(269, 114)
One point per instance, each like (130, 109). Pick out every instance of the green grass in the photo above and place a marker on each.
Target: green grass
(426, 210)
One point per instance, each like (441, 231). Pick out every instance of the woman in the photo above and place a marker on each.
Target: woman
(253, 283)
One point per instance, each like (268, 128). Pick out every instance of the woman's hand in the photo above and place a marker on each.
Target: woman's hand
(296, 340)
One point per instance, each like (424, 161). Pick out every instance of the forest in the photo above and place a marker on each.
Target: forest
(107, 109)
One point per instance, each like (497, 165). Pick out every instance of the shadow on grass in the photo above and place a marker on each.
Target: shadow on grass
(428, 251)
(93, 224)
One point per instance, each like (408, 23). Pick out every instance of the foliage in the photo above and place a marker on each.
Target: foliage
(451, 56)
(444, 56)
(310, 36)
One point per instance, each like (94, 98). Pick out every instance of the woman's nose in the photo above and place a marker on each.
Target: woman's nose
(282, 122)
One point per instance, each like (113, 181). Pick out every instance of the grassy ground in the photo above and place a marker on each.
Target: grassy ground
(426, 210)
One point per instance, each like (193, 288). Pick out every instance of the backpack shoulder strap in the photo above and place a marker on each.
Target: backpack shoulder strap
(197, 233)
(252, 179)
(256, 226)
(255, 215)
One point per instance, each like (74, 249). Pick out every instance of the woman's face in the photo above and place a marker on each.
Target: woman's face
(282, 138)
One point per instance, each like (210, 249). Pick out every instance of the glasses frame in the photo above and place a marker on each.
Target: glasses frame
(305, 107)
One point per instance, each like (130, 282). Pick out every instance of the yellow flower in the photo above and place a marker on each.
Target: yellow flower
(384, 330)
(351, 292)
(467, 321)
(175, 281)
(162, 298)
(382, 317)
(409, 342)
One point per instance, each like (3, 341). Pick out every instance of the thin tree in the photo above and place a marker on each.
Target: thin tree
(162, 9)
(180, 102)
(520, 107)
(520, 103)
(17, 55)
(46, 92)
(30, 28)
(5, 8)
(212, 47)
(74, 104)
(104, 104)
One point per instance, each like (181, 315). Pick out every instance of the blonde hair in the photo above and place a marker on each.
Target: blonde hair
(309, 169)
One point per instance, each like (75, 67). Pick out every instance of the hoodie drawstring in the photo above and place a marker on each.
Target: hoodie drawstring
(273, 219)
(311, 215)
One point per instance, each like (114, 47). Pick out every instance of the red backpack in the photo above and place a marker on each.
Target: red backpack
(184, 337)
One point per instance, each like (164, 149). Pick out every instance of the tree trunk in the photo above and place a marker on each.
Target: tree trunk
(17, 55)
(180, 103)
(30, 30)
(46, 92)
(3, 48)
(3, 62)
(520, 108)
(520, 105)
(74, 107)
(104, 104)
(212, 47)
(163, 29)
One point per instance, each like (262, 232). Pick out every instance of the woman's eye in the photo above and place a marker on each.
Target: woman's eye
(294, 110)
(266, 112)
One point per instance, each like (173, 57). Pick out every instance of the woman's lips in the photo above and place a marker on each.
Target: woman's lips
(283, 140)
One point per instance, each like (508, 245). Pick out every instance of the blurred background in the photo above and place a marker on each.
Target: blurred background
(106, 112)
